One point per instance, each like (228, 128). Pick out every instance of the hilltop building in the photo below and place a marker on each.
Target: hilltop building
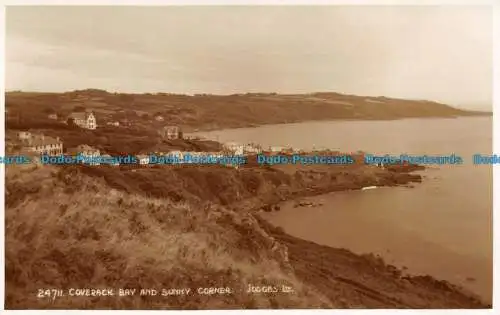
(85, 120)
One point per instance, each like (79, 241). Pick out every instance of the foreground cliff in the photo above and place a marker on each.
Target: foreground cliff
(67, 228)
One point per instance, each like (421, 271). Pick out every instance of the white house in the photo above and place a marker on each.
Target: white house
(91, 156)
(24, 135)
(85, 120)
(171, 132)
(142, 159)
(252, 148)
(234, 148)
(113, 123)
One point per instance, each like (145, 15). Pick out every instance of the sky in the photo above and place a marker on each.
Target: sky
(441, 53)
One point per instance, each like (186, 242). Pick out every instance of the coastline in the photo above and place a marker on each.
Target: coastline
(339, 225)
(345, 279)
(192, 130)
(235, 198)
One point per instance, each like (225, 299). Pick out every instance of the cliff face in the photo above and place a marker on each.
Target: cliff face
(68, 228)
(248, 188)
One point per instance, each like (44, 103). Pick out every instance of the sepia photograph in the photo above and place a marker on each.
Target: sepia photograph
(231, 157)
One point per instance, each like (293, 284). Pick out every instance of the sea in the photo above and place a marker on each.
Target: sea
(441, 227)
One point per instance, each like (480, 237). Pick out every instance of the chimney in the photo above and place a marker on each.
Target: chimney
(57, 139)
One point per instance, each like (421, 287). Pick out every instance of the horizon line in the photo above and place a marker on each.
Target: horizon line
(242, 93)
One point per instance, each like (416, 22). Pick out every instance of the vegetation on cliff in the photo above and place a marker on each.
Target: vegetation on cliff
(67, 228)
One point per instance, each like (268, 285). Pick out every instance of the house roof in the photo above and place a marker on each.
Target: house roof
(80, 115)
(41, 140)
(171, 128)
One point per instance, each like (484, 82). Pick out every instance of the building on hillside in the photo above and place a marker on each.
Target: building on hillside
(41, 144)
(113, 123)
(24, 135)
(171, 132)
(85, 120)
(252, 149)
(88, 154)
(234, 148)
(142, 159)
(52, 116)
(276, 149)
(159, 118)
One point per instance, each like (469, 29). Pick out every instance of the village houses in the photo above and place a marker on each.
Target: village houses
(40, 144)
(85, 120)
(233, 148)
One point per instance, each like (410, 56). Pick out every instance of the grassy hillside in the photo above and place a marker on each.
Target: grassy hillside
(74, 233)
(205, 112)
(68, 229)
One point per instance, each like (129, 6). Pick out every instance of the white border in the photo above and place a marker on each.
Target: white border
(496, 128)
(496, 148)
(250, 2)
(2, 153)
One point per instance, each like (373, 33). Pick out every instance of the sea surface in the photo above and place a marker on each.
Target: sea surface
(441, 227)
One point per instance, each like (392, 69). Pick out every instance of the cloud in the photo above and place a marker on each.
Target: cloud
(440, 53)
